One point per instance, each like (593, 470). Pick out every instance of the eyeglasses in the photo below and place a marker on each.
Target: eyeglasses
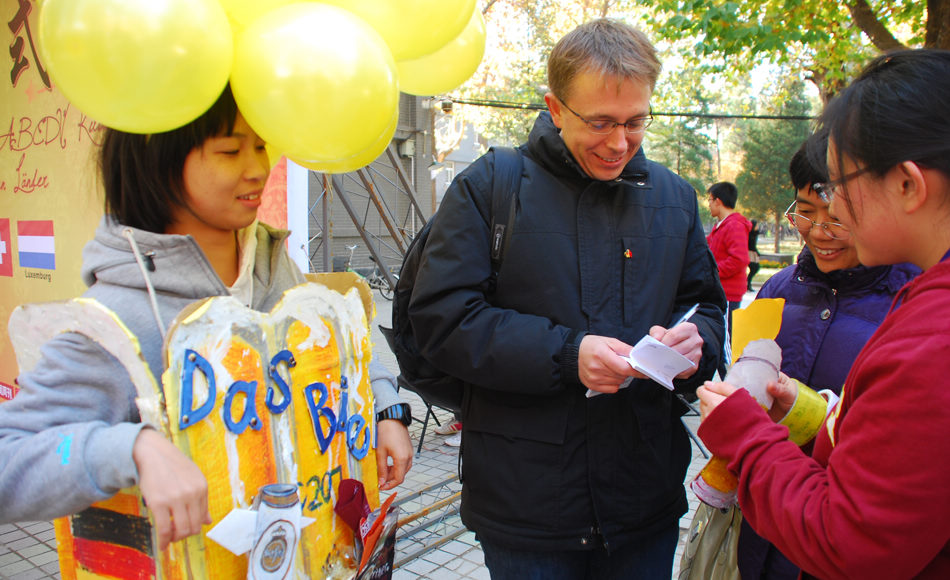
(606, 127)
(804, 224)
(828, 190)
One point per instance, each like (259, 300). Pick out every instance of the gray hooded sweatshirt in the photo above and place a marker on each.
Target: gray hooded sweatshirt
(66, 438)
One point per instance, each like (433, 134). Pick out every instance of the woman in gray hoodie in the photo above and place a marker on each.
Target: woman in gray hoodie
(179, 226)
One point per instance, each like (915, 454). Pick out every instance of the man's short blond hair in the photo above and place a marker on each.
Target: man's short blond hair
(605, 46)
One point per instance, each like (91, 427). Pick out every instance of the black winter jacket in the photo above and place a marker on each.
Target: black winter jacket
(544, 467)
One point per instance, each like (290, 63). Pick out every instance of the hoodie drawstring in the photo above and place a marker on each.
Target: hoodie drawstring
(127, 232)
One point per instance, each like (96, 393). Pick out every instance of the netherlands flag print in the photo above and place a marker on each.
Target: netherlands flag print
(35, 244)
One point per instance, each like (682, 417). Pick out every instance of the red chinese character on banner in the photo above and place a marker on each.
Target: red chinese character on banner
(19, 24)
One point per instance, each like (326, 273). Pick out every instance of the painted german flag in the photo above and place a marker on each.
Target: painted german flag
(109, 543)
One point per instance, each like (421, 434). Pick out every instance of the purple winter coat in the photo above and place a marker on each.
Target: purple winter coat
(828, 317)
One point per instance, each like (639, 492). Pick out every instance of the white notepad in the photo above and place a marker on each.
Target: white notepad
(656, 360)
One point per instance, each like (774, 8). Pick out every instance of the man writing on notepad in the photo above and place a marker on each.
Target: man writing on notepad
(605, 247)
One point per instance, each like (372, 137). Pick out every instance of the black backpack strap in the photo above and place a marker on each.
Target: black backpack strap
(506, 182)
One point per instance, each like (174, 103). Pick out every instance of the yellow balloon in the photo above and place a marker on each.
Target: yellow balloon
(141, 66)
(412, 28)
(360, 160)
(448, 67)
(315, 81)
(245, 12)
(273, 154)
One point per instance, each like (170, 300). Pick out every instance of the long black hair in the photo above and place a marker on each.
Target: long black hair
(142, 175)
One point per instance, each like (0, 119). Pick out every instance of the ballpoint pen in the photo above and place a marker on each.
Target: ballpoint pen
(686, 316)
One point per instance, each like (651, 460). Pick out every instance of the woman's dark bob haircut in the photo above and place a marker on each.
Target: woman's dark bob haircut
(142, 175)
(805, 169)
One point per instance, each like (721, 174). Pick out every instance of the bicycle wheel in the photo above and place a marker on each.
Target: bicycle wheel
(386, 291)
(379, 282)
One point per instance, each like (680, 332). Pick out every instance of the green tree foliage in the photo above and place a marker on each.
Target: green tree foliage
(767, 147)
(685, 144)
(827, 40)
(678, 145)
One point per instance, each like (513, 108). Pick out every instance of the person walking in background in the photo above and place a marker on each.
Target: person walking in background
(605, 247)
(833, 305)
(870, 501)
(753, 252)
(729, 242)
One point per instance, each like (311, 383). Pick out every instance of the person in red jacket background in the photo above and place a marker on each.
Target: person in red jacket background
(729, 242)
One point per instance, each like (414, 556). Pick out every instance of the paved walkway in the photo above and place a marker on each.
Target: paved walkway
(434, 546)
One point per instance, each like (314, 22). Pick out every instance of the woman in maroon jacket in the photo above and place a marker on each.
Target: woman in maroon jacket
(872, 501)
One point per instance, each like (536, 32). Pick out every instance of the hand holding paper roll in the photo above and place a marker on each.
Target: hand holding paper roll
(754, 370)
(758, 366)
(797, 407)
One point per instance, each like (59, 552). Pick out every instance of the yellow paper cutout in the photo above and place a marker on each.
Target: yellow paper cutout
(760, 319)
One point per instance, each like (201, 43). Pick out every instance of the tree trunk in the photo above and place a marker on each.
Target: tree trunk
(778, 231)
(880, 36)
(938, 24)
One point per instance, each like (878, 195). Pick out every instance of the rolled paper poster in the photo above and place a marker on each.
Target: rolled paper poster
(757, 367)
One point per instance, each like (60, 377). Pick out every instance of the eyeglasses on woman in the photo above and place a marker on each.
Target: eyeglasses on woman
(804, 224)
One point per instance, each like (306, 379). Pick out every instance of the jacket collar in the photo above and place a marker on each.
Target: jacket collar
(548, 148)
(177, 265)
(850, 279)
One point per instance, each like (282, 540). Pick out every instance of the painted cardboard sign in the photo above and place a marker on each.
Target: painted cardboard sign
(253, 398)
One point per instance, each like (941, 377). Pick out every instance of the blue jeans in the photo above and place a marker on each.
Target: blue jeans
(733, 306)
(723, 363)
(649, 559)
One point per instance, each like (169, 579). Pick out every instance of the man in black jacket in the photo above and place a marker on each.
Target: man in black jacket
(606, 247)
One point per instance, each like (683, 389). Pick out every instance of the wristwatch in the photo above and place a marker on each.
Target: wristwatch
(401, 412)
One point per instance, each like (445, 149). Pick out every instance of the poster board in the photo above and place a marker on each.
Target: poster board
(252, 398)
(49, 202)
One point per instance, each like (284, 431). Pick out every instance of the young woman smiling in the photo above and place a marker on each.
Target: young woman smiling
(180, 225)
